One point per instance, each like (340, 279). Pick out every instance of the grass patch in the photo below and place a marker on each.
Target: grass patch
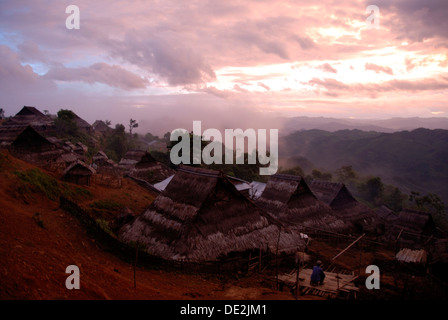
(34, 180)
(104, 225)
(76, 193)
(109, 205)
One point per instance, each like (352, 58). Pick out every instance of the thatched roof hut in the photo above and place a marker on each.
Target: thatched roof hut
(79, 172)
(386, 214)
(289, 198)
(100, 126)
(412, 228)
(344, 204)
(142, 165)
(82, 124)
(202, 217)
(107, 171)
(27, 116)
(34, 148)
(335, 194)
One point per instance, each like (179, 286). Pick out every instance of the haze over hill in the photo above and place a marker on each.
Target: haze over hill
(379, 125)
(413, 160)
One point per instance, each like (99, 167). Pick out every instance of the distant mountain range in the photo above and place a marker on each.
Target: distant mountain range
(387, 125)
(414, 160)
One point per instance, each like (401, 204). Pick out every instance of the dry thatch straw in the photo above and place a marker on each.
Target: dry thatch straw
(289, 198)
(202, 217)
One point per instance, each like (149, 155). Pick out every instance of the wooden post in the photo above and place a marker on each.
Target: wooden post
(135, 265)
(259, 260)
(248, 262)
(276, 256)
(335, 257)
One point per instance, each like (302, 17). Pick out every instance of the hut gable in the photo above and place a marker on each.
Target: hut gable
(32, 147)
(345, 206)
(200, 216)
(79, 172)
(140, 164)
(411, 229)
(334, 194)
(28, 116)
(107, 172)
(82, 124)
(415, 221)
(290, 199)
(100, 126)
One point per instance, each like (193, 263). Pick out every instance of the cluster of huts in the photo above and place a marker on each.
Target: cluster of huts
(205, 215)
(30, 136)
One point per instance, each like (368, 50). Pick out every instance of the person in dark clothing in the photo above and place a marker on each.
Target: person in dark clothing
(318, 275)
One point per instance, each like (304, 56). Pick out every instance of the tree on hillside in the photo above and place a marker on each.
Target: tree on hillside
(116, 145)
(297, 171)
(2, 113)
(433, 204)
(394, 198)
(346, 174)
(319, 175)
(132, 124)
(65, 124)
(372, 190)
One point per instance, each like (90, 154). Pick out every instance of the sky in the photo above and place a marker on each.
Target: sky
(232, 64)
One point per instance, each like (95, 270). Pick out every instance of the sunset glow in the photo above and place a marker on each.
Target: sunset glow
(292, 58)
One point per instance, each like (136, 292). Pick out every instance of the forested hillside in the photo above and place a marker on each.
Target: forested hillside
(412, 160)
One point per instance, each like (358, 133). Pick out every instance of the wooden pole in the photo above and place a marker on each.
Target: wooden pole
(359, 238)
(135, 266)
(259, 260)
(276, 256)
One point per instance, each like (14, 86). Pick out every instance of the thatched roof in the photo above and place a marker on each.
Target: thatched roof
(345, 206)
(32, 147)
(100, 126)
(414, 221)
(386, 213)
(132, 157)
(289, 198)
(30, 141)
(142, 165)
(27, 116)
(412, 256)
(82, 124)
(412, 228)
(79, 168)
(201, 217)
(334, 194)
